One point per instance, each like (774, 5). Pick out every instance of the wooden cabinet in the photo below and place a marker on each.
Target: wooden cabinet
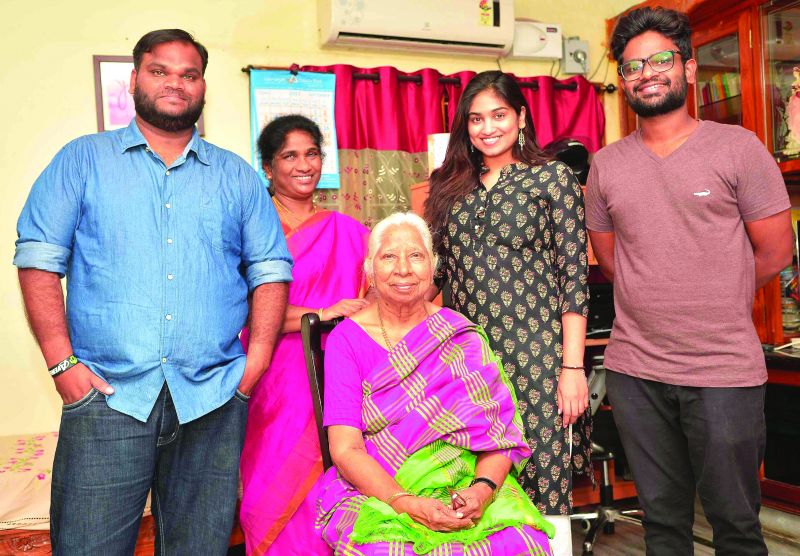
(747, 53)
(780, 474)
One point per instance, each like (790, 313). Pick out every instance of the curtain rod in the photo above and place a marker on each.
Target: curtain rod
(294, 69)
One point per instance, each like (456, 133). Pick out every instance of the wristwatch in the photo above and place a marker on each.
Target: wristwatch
(485, 480)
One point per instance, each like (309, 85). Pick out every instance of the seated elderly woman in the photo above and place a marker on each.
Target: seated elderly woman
(422, 422)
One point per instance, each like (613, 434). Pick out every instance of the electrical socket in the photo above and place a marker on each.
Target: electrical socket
(576, 56)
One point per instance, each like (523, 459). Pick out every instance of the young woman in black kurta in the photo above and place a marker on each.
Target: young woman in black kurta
(509, 228)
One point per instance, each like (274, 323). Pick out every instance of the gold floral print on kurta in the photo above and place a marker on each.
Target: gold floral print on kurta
(515, 260)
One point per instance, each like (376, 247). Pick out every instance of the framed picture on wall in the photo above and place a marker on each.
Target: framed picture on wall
(112, 76)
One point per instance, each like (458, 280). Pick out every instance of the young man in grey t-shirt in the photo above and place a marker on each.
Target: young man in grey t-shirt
(688, 218)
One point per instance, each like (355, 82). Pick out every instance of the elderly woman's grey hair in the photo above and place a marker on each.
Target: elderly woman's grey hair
(399, 219)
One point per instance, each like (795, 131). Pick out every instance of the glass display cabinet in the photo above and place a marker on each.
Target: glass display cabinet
(780, 30)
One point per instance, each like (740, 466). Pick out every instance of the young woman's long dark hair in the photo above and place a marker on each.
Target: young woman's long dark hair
(460, 171)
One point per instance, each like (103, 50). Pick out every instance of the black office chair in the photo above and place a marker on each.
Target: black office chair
(311, 330)
(572, 153)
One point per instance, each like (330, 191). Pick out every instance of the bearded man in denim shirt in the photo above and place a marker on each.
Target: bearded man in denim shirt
(162, 237)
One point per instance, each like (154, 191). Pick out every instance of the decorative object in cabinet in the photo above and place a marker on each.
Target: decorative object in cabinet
(781, 34)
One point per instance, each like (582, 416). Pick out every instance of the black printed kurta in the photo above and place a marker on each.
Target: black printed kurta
(515, 260)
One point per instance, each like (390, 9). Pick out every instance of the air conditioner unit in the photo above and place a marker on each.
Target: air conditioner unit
(478, 27)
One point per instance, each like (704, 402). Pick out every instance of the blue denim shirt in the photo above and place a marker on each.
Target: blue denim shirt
(159, 261)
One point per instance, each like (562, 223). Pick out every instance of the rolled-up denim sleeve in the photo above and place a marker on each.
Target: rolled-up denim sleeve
(47, 224)
(265, 255)
(42, 256)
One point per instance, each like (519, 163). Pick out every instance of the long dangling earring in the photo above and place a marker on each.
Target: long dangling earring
(521, 139)
(471, 148)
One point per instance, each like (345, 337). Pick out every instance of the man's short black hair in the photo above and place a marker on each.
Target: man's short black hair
(154, 38)
(672, 24)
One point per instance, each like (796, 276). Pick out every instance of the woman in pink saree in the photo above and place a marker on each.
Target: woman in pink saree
(281, 459)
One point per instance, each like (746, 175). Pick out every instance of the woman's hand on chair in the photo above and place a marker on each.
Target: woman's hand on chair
(344, 308)
(432, 513)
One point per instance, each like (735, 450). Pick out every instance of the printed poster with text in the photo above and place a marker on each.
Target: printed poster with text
(276, 93)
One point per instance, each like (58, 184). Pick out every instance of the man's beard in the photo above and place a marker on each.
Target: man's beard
(146, 109)
(674, 99)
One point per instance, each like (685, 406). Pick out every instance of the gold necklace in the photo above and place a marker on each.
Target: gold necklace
(291, 214)
(383, 329)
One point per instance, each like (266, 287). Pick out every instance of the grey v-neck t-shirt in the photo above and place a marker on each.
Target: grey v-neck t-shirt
(684, 272)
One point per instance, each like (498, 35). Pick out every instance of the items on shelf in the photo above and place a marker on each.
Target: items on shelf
(720, 87)
(726, 111)
(790, 312)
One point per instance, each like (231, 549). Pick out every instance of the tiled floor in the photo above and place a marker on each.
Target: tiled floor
(628, 540)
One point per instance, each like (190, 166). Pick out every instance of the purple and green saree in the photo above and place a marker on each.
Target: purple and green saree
(427, 408)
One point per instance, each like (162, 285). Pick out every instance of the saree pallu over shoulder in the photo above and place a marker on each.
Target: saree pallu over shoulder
(440, 382)
(330, 248)
(436, 401)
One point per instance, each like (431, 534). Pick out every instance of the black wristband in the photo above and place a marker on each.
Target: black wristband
(485, 480)
(63, 366)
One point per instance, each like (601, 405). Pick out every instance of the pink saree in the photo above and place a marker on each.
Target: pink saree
(281, 459)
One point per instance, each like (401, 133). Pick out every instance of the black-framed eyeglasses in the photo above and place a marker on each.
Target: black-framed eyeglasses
(659, 62)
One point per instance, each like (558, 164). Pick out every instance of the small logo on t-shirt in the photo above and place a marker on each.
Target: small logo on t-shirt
(703, 193)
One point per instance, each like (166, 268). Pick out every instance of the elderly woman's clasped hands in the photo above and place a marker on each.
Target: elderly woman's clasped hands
(466, 508)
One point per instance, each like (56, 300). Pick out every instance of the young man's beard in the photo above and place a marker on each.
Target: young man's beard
(146, 109)
(673, 100)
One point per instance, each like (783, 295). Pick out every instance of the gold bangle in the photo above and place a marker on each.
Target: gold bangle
(397, 495)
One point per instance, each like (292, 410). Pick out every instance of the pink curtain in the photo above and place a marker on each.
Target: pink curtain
(382, 125)
(560, 113)
(454, 93)
(386, 114)
(561, 109)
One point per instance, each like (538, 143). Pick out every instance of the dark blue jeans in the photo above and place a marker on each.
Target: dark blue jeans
(107, 462)
(679, 439)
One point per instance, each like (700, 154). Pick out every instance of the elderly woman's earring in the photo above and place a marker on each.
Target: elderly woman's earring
(521, 139)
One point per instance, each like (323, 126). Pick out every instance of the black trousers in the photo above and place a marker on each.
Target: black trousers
(681, 439)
